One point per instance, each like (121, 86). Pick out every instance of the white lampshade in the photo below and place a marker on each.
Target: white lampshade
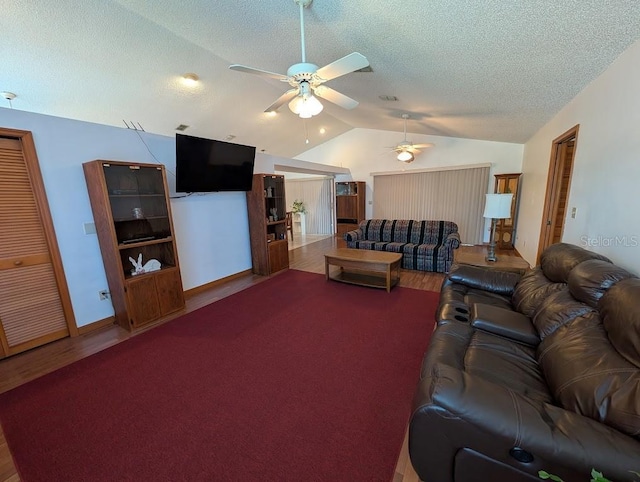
(306, 106)
(498, 206)
(405, 156)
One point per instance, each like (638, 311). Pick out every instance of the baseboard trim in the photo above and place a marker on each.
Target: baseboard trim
(199, 289)
(96, 325)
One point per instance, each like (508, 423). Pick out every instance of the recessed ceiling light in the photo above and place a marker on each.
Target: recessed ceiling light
(390, 98)
(323, 130)
(190, 79)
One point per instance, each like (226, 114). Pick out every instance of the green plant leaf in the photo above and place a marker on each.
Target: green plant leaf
(598, 477)
(298, 206)
(546, 475)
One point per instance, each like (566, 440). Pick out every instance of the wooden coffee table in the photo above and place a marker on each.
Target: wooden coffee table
(363, 267)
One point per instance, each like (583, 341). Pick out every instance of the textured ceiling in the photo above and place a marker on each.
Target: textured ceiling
(494, 70)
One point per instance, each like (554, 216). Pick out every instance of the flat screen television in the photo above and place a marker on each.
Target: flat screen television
(207, 165)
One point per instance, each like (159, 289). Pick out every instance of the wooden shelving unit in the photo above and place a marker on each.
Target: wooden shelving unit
(350, 205)
(266, 205)
(505, 228)
(132, 214)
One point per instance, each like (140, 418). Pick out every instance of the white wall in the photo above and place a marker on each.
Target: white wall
(202, 222)
(364, 151)
(606, 170)
(212, 231)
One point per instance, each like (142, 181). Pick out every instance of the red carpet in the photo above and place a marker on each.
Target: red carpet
(295, 378)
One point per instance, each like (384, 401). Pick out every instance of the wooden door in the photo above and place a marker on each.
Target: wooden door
(347, 207)
(278, 256)
(142, 300)
(35, 307)
(558, 183)
(170, 292)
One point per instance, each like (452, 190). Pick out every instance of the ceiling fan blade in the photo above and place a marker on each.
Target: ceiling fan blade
(423, 146)
(405, 147)
(336, 97)
(262, 73)
(283, 99)
(345, 65)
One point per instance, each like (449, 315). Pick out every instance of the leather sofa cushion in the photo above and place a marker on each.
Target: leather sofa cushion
(502, 322)
(531, 290)
(559, 259)
(590, 279)
(500, 282)
(495, 359)
(621, 318)
(588, 376)
(557, 310)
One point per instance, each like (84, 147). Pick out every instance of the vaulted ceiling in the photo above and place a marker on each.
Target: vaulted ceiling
(489, 69)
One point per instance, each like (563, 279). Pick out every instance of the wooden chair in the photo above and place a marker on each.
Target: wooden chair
(289, 219)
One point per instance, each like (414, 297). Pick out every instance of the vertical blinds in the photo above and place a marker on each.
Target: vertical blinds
(449, 195)
(317, 197)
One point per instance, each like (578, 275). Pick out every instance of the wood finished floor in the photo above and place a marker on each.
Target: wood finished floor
(19, 369)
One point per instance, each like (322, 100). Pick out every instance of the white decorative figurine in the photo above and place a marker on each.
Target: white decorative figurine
(138, 268)
(151, 265)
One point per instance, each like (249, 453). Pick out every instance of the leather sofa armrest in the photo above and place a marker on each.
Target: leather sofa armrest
(502, 322)
(500, 282)
(491, 419)
(355, 235)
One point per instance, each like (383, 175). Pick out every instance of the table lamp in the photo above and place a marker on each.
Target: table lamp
(497, 206)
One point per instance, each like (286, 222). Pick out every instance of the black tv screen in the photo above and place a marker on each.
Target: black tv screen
(207, 165)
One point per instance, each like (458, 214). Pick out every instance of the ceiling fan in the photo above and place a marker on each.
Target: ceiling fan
(307, 79)
(407, 150)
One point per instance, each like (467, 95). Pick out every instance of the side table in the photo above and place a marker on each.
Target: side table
(475, 256)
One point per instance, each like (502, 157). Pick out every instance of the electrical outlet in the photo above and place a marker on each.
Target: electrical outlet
(104, 295)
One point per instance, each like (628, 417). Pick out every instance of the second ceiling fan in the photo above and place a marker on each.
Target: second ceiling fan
(307, 79)
(407, 150)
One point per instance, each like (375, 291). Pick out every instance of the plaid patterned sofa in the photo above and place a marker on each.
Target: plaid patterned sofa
(425, 245)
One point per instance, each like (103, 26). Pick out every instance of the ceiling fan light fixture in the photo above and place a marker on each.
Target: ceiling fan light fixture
(190, 79)
(306, 106)
(405, 156)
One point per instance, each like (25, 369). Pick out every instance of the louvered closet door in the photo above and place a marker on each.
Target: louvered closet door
(31, 311)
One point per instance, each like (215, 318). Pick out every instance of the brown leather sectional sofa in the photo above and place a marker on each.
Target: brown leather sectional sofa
(532, 372)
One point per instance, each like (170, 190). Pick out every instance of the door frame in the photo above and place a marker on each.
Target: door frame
(40, 195)
(554, 183)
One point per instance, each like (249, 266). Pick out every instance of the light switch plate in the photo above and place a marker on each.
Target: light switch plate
(89, 228)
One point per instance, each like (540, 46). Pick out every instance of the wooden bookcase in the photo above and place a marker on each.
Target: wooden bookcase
(505, 228)
(266, 205)
(350, 205)
(132, 214)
